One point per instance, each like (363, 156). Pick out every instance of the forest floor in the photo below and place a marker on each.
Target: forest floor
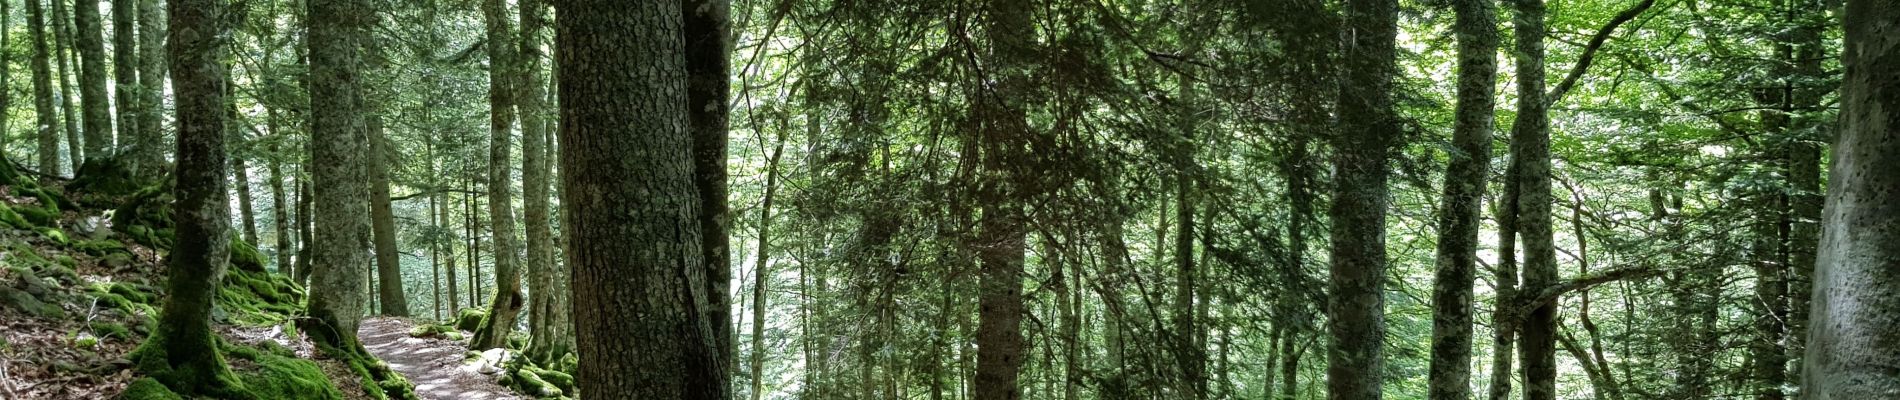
(434, 364)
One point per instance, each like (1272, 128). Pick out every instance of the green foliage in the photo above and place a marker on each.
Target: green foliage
(148, 389)
(279, 375)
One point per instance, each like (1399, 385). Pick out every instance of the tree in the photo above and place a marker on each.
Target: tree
(1000, 243)
(184, 353)
(708, 29)
(383, 223)
(63, 46)
(632, 210)
(148, 155)
(46, 118)
(502, 78)
(338, 34)
(1356, 307)
(95, 106)
(1852, 348)
(548, 322)
(125, 66)
(1465, 177)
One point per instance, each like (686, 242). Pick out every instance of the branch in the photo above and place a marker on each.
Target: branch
(1590, 50)
(1528, 302)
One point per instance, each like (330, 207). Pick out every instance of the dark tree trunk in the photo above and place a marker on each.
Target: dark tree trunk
(241, 173)
(63, 34)
(505, 308)
(96, 107)
(632, 215)
(1460, 217)
(339, 31)
(708, 30)
(389, 286)
(1002, 226)
(305, 237)
(183, 353)
(1530, 154)
(1853, 349)
(1804, 173)
(1356, 305)
(46, 121)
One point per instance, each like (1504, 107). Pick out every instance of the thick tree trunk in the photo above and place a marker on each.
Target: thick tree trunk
(708, 30)
(46, 125)
(184, 344)
(633, 211)
(390, 291)
(1530, 154)
(339, 31)
(125, 72)
(1460, 219)
(148, 158)
(96, 107)
(1853, 349)
(506, 306)
(1356, 305)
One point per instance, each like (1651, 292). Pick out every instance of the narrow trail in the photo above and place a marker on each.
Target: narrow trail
(434, 365)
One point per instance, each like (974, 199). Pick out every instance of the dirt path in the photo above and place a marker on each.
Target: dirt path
(434, 365)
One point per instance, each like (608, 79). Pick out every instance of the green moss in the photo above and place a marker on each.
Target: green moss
(37, 215)
(10, 218)
(559, 379)
(55, 235)
(26, 302)
(244, 256)
(100, 248)
(148, 389)
(108, 330)
(527, 382)
(430, 330)
(469, 319)
(279, 377)
(104, 179)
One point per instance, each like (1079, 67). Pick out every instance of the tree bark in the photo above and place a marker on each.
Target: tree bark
(1000, 244)
(241, 173)
(1530, 153)
(125, 71)
(339, 32)
(506, 306)
(95, 106)
(1460, 219)
(708, 29)
(148, 158)
(632, 220)
(1853, 352)
(46, 123)
(63, 34)
(764, 273)
(392, 297)
(1356, 307)
(547, 318)
(184, 344)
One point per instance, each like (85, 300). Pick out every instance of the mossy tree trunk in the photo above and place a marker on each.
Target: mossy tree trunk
(383, 224)
(549, 324)
(632, 215)
(148, 149)
(45, 117)
(1530, 156)
(339, 31)
(125, 71)
(1458, 226)
(63, 35)
(1853, 349)
(1368, 129)
(240, 171)
(95, 106)
(506, 306)
(183, 352)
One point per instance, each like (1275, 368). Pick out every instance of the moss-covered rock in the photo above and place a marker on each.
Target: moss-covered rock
(100, 248)
(148, 389)
(244, 256)
(430, 330)
(37, 215)
(13, 219)
(103, 179)
(25, 302)
(55, 235)
(281, 377)
(469, 319)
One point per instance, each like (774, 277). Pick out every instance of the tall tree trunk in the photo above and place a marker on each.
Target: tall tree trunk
(764, 267)
(148, 158)
(306, 237)
(183, 353)
(46, 123)
(551, 340)
(1460, 218)
(502, 78)
(125, 72)
(1768, 253)
(390, 291)
(1530, 153)
(6, 76)
(280, 205)
(241, 173)
(1000, 244)
(1853, 350)
(1189, 350)
(63, 34)
(95, 106)
(1804, 171)
(448, 251)
(708, 30)
(1356, 297)
(339, 32)
(633, 214)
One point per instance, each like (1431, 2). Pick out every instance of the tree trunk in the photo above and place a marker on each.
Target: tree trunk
(92, 79)
(508, 301)
(1460, 218)
(1804, 175)
(6, 77)
(633, 212)
(46, 123)
(305, 235)
(1002, 225)
(1356, 307)
(708, 30)
(63, 34)
(148, 158)
(764, 274)
(280, 205)
(1853, 351)
(551, 341)
(339, 32)
(125, 71)
(392, 297)
(448, 250)
(1530, 153)
(183, 352)
(241, 173)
